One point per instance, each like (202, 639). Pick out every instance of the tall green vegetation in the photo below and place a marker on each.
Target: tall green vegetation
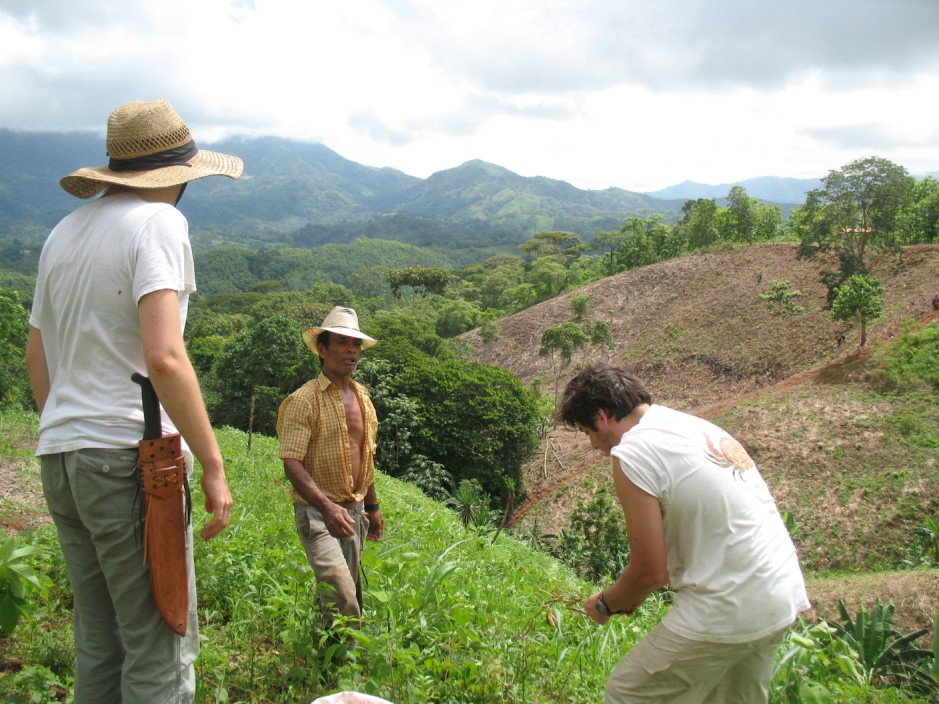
(476, 421)
(14, 330)
(442, 419)
(18, 582)
(449, 615)
(595, 543)
(910, 364)
(254, 373)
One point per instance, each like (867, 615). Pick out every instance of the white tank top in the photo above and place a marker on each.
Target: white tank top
(731, 561)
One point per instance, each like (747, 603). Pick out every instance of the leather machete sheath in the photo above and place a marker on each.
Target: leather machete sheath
(163, 476)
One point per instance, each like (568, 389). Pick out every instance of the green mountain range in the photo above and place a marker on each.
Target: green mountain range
(305, 194)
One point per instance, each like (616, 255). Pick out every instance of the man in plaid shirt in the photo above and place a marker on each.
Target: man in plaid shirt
(327, 430)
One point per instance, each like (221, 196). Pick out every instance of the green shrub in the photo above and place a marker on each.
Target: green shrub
(17, 581)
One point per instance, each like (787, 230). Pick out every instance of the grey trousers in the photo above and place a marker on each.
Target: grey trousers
(666, 667)
(335, 561)
(125, 653)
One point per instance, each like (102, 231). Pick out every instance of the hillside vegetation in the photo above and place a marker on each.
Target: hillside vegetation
(452, 614)
(849, 452)
(465, 381)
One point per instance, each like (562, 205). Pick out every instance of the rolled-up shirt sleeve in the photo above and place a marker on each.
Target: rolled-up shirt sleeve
(294, 428)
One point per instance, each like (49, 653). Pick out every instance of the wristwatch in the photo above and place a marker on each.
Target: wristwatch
(602, 607)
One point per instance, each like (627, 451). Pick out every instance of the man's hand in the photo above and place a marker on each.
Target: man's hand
(218, 502)
(376, 526)
(338, 521)
(590, 606)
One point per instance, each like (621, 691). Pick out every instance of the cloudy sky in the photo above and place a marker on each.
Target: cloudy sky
(637, 94)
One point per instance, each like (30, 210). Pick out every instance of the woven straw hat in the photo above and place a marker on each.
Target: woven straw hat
(342, 321)
(150, 147)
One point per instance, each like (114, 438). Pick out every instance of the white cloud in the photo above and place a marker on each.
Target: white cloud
(639, 94)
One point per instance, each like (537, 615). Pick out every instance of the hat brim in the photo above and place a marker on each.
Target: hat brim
(310, 335)
(87, 182)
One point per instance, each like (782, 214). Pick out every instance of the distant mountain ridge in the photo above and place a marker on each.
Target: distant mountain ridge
(304, 194)
(772, 189)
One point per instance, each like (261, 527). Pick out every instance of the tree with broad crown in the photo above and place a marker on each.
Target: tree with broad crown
(455, 317)
(700, 223)
(742, 215)
(548, 276)
(748, 219)
(562, 246)
(857, 207)
(258, 369)
(422, 280)
(609, 242)
(919, 219)
(476, 421)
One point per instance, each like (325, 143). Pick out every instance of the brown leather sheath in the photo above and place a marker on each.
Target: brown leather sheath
(163, 477)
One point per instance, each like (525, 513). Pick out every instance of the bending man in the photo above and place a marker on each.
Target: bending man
(699, 518)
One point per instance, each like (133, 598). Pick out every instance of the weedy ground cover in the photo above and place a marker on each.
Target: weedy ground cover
(451, 616)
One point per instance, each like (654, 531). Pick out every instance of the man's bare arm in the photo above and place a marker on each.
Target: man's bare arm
(37, 367)
(376, 522)
(175, 383)
(648, 558)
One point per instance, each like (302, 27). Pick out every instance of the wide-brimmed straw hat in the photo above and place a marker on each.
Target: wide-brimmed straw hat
(342, 321)
(149, 146)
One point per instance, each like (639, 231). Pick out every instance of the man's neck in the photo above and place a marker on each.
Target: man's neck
(632, 420)
(343, 381)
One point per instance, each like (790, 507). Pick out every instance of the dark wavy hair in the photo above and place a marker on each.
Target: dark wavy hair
(615, 390)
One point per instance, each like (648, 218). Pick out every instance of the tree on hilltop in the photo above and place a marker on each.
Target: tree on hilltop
(856, 208)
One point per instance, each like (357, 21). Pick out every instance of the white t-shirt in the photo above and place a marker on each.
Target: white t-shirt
(731, 561)
(95, 266)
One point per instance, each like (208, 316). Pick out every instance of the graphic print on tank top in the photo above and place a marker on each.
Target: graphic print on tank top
(726, 452)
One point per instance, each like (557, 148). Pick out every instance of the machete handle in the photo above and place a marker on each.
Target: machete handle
(152, 422)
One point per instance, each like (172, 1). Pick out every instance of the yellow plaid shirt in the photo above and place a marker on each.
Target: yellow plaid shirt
(311, 427)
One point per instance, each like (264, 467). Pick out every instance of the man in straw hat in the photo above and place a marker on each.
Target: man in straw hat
(111, 299)
(327, 430)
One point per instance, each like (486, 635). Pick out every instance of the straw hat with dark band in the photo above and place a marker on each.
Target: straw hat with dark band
(150, 147)
(342, 321)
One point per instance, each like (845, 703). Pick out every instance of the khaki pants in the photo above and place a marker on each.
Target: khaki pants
(335, 561)
(665, 667)
(125, 653)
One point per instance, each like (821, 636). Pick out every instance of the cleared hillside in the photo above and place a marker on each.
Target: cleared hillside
(696, 331)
